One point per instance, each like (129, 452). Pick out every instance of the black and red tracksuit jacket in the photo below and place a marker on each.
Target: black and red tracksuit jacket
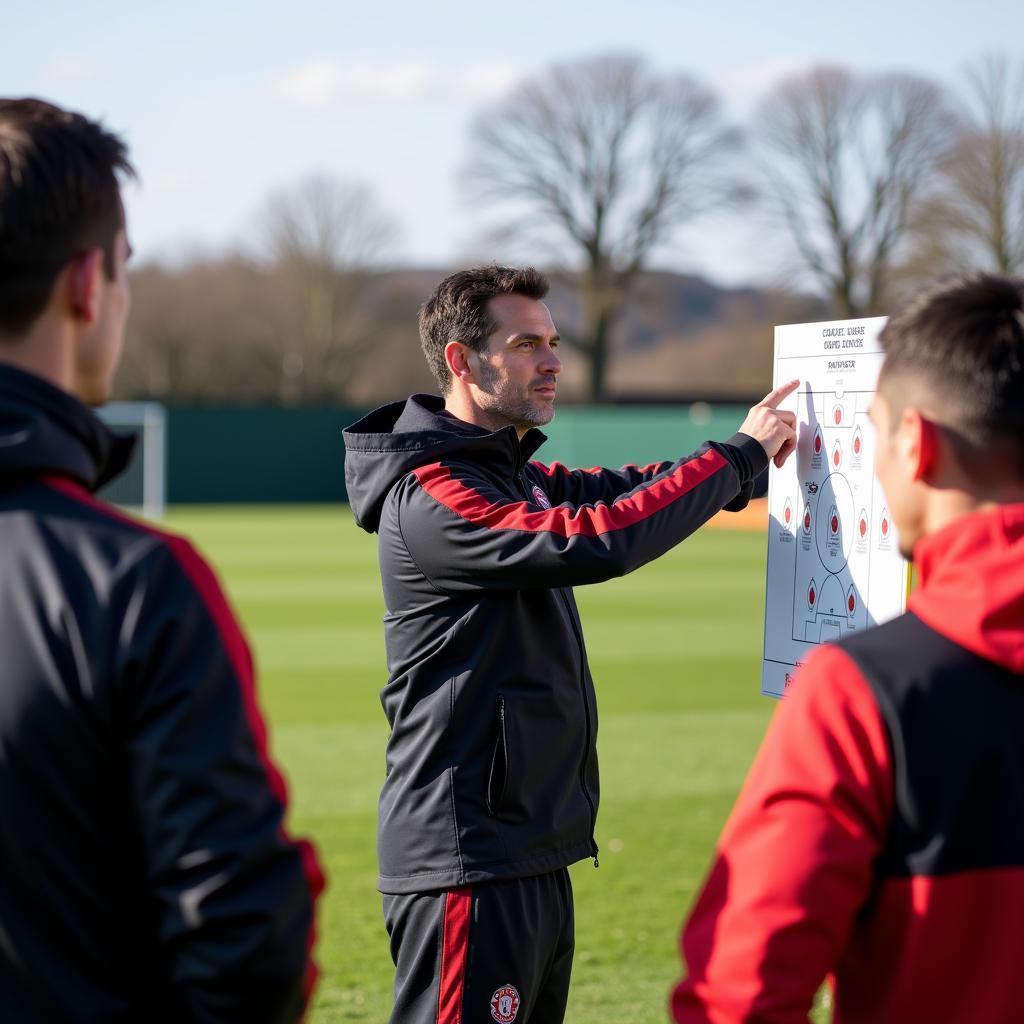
(880, 834)
(491, 762)
(144, 871)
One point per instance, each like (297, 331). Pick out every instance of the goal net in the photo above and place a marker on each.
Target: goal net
(141, 486)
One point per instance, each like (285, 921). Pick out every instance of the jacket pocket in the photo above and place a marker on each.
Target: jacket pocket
(497, 778)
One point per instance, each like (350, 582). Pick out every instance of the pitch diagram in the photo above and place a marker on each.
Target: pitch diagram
(834, 498)
(833, 562)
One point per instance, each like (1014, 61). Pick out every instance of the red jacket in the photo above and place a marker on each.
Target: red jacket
(880, 834)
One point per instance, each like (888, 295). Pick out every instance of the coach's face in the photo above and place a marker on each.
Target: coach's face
(516, 376)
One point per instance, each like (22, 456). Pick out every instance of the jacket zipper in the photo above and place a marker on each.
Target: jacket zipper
(586, 749)
(586, 708)
(495, 804)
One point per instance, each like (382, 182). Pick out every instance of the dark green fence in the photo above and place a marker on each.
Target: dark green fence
(252, 455)
(616, 435)
(255, 454)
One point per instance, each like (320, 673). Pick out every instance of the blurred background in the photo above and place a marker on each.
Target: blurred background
(689, 174)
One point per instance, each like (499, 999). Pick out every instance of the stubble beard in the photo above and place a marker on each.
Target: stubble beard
(503, 402)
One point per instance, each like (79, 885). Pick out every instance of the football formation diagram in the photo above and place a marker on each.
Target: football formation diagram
(834, 566)
(835, 518)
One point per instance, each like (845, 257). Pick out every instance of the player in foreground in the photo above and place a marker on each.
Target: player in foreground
(492, 783)
(880, 834)
(144, 872)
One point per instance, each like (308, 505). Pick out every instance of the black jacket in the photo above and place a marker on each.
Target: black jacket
(144, 873)
(491, 763)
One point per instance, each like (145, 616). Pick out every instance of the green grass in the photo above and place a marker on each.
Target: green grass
(675, 653)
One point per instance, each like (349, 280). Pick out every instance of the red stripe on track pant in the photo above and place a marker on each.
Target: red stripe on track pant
(454, 947)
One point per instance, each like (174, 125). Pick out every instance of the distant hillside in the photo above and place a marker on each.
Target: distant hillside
(231, 331)
(681, 337)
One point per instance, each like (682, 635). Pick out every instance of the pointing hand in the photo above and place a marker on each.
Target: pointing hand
(773, 427)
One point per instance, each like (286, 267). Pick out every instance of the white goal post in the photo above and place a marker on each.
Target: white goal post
(142, 485)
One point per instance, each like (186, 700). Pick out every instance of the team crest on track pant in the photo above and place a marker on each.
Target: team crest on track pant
(498, 951)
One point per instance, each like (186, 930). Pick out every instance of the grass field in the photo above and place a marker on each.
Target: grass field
(674, 650)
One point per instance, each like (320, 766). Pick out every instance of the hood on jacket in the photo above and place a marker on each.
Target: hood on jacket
(395, 439)
(45, 430)
(972, 584)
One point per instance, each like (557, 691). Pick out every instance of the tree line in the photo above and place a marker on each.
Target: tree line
(870, 183)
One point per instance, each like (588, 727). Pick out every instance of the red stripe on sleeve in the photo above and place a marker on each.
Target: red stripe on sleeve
(203, 579)
(588, 521)
(557, 467)
(454, 949)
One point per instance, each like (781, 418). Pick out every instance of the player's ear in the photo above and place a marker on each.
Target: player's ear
(84, 278)
(919, 444)
(456, 355)
(928, 457)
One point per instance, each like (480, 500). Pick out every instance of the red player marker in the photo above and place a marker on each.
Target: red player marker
(856, 444)
(817, 442)
(835, 457)
(850, 603)
(838, 414)
(863, 526)
(807, 520)
(811, 595)
(787, 513)
(835, 523)
(885, 527)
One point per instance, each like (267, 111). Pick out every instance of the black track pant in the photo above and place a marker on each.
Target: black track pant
(498, 951)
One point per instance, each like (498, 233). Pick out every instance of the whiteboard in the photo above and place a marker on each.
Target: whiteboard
(834, 566)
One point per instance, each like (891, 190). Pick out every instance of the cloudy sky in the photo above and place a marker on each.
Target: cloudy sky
(224, 104)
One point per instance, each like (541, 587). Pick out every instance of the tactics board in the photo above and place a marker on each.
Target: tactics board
(834, 566)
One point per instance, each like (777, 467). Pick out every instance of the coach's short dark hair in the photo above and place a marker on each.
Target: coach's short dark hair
(59, 196)
(457, 311)
(962, 340)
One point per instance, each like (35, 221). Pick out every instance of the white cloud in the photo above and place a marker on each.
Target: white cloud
(72, 68)
(325, 83)
(486, 81)
(749, 83)
(172, 181)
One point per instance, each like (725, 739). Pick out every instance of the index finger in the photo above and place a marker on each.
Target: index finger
(772, 399)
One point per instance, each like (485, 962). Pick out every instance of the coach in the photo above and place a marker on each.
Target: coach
(144, 871)
(492, 781)
(879, 837)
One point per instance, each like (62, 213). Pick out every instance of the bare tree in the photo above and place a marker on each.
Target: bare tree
(977, 218)
(203, 331)
(325, 236)
(606, 159)
(850, 162)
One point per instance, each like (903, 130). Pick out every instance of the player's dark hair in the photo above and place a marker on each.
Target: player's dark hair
(457, 310)
(59, 197)
(962, 339)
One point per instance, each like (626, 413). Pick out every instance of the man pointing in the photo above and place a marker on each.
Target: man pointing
(492, 781)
